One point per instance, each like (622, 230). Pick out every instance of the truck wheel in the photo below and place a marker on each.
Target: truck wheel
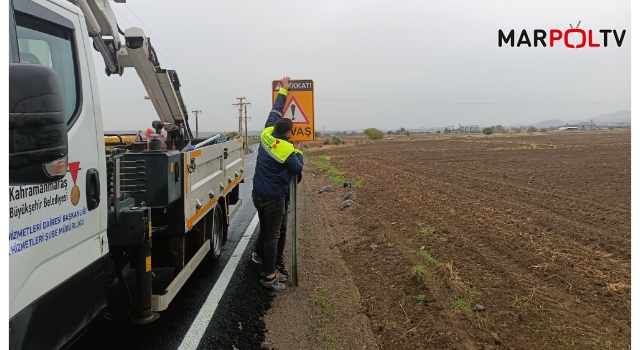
(215, 233)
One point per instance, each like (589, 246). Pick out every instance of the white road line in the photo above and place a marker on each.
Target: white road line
(199, 325)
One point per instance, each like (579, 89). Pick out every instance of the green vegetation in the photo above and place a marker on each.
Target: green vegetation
(417, 272)
(323, 164)
(421, 299)
(475, 294)
(425, 229)
(487, 131)
(374, 134)
(428, 257)
(532, 129)
(231, 134)
(460, 304)
(332, 173)
(327, 141)
(324, 305)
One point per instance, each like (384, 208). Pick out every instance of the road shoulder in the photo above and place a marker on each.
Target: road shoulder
(324, 311)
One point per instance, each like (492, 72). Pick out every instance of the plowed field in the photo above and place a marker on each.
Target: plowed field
(535, 231)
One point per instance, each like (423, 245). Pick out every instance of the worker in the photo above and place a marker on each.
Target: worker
(158, 128)
(277, 160)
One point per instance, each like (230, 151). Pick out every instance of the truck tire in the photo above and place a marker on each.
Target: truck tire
(215, 233)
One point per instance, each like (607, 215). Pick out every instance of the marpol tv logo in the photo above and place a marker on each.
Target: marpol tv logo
(572, 38)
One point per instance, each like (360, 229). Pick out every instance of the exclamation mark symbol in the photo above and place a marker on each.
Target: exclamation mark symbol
(293, 112)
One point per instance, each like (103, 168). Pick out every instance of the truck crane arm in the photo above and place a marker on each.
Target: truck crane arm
(162, 85)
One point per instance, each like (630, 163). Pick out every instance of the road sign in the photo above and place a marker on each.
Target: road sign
(299, 108)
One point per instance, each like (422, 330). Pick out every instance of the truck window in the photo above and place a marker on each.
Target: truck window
(41, 42)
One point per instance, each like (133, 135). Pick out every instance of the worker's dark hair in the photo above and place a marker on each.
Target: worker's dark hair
(283, 125)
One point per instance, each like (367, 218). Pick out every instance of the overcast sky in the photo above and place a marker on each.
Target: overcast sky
(385, 64)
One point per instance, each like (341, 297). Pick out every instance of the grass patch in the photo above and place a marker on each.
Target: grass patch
(428, 257)
(334, 175)
(475, 294)
(329, 338)
(428, 230)
(598, 343)
(323, 164)
(460, 304)
(417, 272)
(422, 299)
(567, 343)
(353, 293)
(324, 305)
(425, 229)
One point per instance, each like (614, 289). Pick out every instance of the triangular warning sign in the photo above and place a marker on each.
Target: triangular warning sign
(294, 112)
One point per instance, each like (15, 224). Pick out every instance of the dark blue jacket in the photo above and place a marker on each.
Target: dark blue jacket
(273, 175)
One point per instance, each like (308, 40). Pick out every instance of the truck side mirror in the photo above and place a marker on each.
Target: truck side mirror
(38, 144)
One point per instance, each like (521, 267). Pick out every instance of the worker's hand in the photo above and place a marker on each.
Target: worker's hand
(286, 83)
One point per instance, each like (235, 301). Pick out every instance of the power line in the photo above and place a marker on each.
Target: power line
(169, 51)
(471, 103)
(162, 57)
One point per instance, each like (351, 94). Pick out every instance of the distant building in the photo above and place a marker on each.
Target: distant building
(587, 126)
(450, 129)
(470, 128)
(568, 127)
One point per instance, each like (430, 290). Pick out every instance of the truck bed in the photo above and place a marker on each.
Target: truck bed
(212, 173)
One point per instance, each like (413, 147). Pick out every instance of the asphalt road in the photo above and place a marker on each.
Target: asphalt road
(188, 322)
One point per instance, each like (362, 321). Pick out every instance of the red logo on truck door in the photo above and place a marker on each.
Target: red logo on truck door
(75, 191)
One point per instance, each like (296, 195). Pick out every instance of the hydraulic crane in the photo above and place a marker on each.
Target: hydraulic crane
(162, 85)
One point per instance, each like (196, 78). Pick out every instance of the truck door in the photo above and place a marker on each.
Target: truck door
(58, 254)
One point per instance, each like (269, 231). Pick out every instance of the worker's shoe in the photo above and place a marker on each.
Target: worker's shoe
(272, 283)
(281, 277)
(256, 258)
(284, 274)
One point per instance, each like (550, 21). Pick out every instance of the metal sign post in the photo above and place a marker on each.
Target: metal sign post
(293, 224)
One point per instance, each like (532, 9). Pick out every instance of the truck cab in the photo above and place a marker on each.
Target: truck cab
(82, 213)
(59, 264)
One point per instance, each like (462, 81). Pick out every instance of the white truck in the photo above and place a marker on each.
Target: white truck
(81, 213)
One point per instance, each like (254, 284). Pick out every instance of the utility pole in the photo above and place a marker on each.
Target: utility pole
(240, 104)
(196, 113)
(246, 131)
